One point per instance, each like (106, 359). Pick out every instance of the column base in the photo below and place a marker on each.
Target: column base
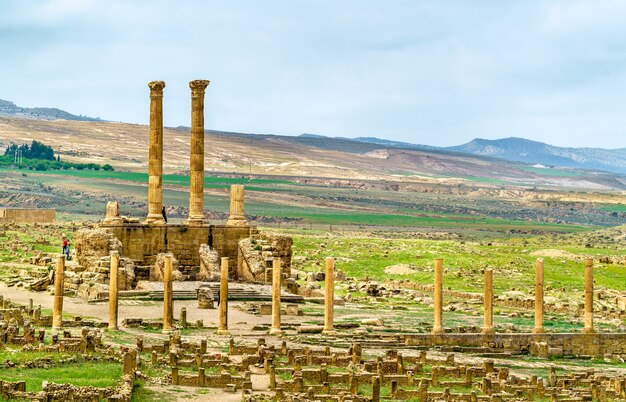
(167, 331)
(329, 332)
(276, 331)
(154, 219)
(488, 331)
(195, 222)
(113, 328)
(222, 332)
(57, 328)
(539, 330)
(589, 330)
(438, 331)
(236, 221)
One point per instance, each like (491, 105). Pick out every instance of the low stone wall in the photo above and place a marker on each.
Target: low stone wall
(143, 243)
(598, 344)
(26, 215)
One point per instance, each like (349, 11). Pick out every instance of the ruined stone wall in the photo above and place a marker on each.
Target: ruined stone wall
(143, 243)
(25, 215)
(595, 344)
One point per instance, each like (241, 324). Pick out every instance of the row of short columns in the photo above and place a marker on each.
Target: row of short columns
(196, 160)
(488, 328)
(328, 328)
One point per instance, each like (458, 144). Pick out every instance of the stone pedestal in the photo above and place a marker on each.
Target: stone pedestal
(588, 297)
(196, 157)
(538, 329)
(488, 303)
(168, 314)
(276, 280)
(57, 309)
(222, 328)
(438, 295)
(155, 156)
(329, 297)
(113, 289)
(236, 217)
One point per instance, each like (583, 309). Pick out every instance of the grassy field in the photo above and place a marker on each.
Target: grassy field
(82, 193)
(512, 261)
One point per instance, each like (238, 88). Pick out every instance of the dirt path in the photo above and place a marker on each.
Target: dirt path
(239, 322)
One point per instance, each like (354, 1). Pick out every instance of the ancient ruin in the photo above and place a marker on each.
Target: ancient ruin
(226, 309)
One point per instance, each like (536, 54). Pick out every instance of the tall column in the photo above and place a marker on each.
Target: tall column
(168, 314)
(236, 216)
(329, 297)
(539, 297)
(222, 328)
(588, 297)
(155, 158)
(57, 310)
(196, 157)
(488, 303)
(438, 314)
(113, 273)
(276, 279)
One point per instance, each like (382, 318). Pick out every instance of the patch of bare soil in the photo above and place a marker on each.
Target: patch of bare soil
(553, 253)
(399, 269)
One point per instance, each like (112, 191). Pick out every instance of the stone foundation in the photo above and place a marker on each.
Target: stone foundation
(143, 243)
(568, 344)
(27, 215)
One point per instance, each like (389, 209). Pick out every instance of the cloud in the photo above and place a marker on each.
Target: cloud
(429, 72)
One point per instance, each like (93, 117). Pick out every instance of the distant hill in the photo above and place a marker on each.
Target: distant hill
(533, 152)
(41, 113)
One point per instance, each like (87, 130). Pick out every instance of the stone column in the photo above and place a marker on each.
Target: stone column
(196, 157)
(236, 217)
(539, 297)
(588, 297)
(57, 310)
(488, 303)
(113, 288)
(329, 297)
(168, 314)
(276, 279)
(438, 314)
(222, 328)
(155, 159)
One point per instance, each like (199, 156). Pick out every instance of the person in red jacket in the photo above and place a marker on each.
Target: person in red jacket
(66, 247)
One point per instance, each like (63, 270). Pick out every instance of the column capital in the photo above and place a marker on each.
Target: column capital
(198, 87)
(156, 88)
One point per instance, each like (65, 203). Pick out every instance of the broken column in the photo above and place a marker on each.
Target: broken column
(236, 217)
(276, 279)
(588, 297)
(168, 314)
(222, 328)
(196, 157)
(488, 303)
(329, 296)
(113, 289)
(57, 310)
(438, 303)
(155, 159)
(538, 329)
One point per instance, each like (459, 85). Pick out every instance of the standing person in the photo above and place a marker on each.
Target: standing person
(66, 247)
(164, 214)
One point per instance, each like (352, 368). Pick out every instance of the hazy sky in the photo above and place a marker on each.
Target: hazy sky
(435, 72)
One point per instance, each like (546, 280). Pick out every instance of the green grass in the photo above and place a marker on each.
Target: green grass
(96, 374)
(614, 207)
(551, 172)
(511, 261)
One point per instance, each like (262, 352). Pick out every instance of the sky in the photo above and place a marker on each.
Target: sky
(438, 72)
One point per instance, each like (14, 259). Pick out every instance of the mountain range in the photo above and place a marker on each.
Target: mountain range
(40, 113)
(509, 149)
